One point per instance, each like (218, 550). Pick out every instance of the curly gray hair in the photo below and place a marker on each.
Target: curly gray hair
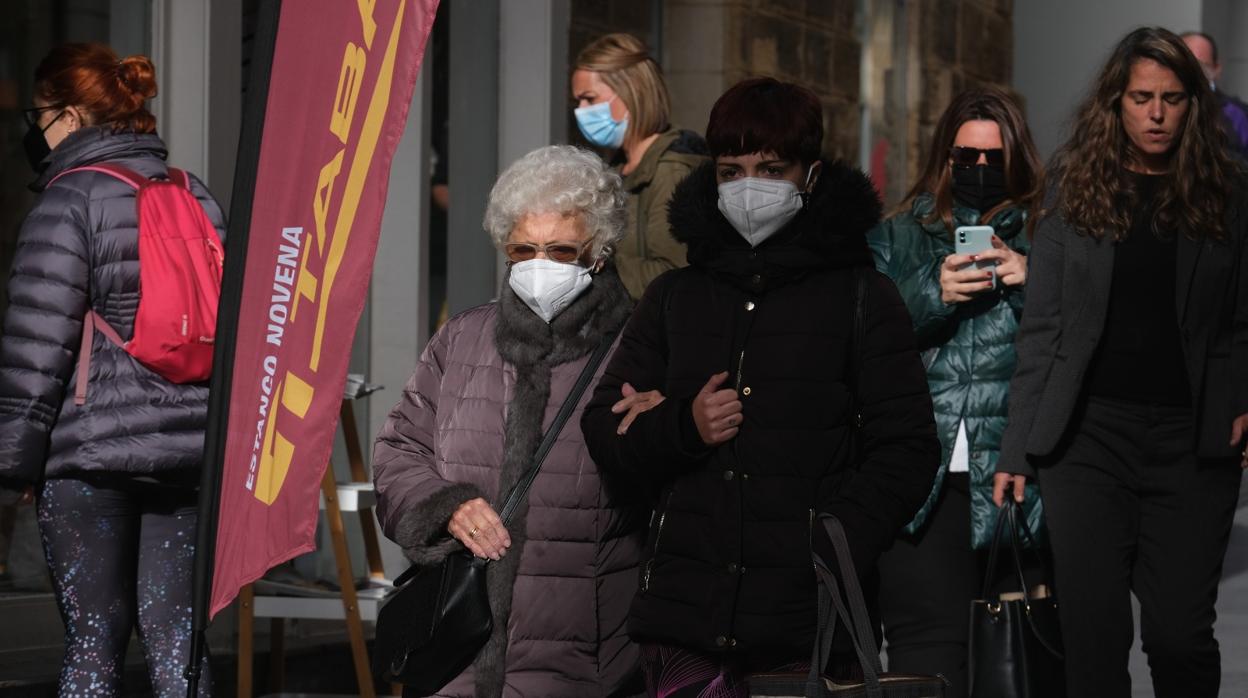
(559, 179)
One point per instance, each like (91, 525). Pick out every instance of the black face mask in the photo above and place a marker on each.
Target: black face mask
(981, 187)
(37, 149)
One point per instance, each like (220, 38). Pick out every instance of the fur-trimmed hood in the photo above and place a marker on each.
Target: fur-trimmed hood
(829, 232)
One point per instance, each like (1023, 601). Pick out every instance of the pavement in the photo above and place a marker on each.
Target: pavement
(1232, 625)
(1231, 630)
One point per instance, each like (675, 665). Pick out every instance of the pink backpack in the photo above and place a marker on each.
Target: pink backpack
(180, 261)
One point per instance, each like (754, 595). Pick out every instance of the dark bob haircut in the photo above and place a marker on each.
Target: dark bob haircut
(762, 115)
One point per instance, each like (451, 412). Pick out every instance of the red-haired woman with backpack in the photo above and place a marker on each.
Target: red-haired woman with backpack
(113, 473)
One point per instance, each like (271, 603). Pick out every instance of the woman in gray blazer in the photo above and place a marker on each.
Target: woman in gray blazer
(1130, 398)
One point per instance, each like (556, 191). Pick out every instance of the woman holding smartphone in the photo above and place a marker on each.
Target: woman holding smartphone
(965, 303)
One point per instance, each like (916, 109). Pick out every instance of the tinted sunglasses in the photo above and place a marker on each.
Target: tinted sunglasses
(962, 155)
(564, 252)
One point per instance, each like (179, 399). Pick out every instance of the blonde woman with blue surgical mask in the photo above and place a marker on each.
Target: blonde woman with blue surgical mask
(622, 106)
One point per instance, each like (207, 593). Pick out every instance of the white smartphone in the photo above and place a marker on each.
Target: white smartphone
(976, 239)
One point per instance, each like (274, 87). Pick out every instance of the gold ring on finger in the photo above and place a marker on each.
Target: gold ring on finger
(473, 533)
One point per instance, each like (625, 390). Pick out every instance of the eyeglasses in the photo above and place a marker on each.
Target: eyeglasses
(965, 156)
(32, 115)
(556, 251)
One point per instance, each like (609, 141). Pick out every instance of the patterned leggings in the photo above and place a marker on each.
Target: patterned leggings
(120, 551)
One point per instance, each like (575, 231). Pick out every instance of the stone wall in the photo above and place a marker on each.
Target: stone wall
(917, 54)
(712, 44)
(962, 43)
(815, 43)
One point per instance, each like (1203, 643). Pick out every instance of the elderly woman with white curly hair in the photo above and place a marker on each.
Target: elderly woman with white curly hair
(470, 420)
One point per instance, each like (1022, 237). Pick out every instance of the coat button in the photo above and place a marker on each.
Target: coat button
(749, 305)
(746, 390)
(728, 474)
(733, 567)
(732, 642)
(721, 641)
(756, 279)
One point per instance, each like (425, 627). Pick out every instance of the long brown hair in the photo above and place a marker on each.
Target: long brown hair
(1094, 191)
(110, 91)
(1023, 169)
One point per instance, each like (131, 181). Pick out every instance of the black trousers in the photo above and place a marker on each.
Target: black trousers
(1131, 508)
(927, 583)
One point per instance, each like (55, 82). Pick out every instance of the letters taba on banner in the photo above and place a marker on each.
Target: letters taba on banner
(342, 80)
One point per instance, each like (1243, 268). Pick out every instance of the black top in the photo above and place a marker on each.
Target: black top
(1140, 356)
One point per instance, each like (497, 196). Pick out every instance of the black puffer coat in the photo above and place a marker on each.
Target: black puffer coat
(729, 548)
(79, 245)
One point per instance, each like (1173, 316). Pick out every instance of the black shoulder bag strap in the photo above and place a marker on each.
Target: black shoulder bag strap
(855, 355)
(521, 489)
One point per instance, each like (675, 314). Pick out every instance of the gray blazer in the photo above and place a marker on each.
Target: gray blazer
(1067, 298)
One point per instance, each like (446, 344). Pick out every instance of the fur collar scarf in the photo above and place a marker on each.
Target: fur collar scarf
(525, 340)
(534, 348)
(829, 232)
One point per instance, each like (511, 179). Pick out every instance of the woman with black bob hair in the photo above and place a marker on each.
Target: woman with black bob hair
(741, 434)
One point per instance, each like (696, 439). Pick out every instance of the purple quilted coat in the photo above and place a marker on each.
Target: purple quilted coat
(465, 427)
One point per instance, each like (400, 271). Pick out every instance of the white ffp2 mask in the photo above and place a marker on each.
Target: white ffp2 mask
(548, 287)
(758, 207)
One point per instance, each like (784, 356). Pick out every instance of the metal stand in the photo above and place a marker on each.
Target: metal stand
(354, 606)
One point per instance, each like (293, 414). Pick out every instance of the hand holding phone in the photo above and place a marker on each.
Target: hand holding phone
(974, 240)
(962, 277)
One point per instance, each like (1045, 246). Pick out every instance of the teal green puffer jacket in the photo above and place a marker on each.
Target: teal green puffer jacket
(967, 347)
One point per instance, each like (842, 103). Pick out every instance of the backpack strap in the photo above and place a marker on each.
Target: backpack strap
(91, 322)
(125, 174)
(180, 178)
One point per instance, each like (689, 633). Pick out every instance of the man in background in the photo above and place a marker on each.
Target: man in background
(1234, 112)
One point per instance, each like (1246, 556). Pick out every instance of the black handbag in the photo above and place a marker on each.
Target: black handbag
(438, 618)
(851, 609)
(1015, 645)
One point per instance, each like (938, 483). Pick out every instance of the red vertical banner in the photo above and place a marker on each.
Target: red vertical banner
(342, 79)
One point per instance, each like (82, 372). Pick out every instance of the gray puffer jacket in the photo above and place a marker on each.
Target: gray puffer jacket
(78, 248)
(486, 388)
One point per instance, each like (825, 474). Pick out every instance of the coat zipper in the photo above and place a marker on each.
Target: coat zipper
(658, 536)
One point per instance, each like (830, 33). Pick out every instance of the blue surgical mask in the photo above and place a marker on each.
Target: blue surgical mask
(599, 127)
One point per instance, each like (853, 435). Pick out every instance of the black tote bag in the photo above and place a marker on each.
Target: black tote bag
(1015, 646)
(438, 618)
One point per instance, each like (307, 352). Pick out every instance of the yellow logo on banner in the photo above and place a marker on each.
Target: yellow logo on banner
(279, 451)
(294, 394)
